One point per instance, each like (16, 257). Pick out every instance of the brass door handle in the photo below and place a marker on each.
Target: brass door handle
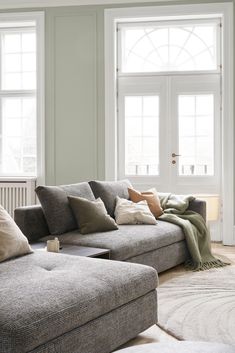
(175, 155)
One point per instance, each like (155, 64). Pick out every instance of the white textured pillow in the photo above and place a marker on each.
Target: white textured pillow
(128, 212)
(12, 240)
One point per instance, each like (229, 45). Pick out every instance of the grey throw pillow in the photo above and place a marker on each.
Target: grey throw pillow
(109, 190)
(56, 208)
(91, 216)
(12, 240)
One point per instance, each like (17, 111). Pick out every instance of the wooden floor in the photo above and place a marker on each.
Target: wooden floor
(154, 333)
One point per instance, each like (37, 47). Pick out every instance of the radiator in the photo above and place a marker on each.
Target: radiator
(17, 192)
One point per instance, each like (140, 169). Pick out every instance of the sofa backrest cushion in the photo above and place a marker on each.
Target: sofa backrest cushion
(109, 190)
(56, 208)
(32, 222)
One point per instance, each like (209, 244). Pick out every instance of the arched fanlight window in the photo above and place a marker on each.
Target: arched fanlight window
(174, 47)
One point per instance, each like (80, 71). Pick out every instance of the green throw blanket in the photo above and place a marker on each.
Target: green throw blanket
(195, 229)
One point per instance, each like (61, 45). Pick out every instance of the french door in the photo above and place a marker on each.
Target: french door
(169, 132)
(169, 88)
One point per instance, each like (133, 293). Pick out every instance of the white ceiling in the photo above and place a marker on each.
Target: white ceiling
(9, 4)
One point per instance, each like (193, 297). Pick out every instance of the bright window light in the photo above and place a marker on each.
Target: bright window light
(141, 135)
(196, 134)
(18, 118)
(175, 47)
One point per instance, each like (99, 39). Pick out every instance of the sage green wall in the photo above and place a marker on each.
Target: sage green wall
(75, 92)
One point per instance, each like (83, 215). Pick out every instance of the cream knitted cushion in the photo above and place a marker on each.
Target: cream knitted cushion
(12, 240)
(128, 212)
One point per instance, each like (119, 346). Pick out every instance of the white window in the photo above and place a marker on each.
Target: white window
(141, 135)
(180, 81)
(168, 76)
(21, 95)
(163, 46)
(196, 134)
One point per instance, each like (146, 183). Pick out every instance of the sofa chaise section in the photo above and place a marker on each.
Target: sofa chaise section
(52, 302)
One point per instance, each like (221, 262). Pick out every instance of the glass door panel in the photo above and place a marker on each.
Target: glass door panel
(195, 130)
(196, 135)
(141, 123)
(169, 133)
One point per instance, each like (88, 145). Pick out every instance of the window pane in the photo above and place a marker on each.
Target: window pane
(133, 106)
(12, 43)
(176, 47)
(142, 135)
(196, 135)
(18, 60)
(28, 42)
(12, 62)
(133, 126)
(19, 141)
(29, 165)
(12, 81)
(28, 62)
(28, 80)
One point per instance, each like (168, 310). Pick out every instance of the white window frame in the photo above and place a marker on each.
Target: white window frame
(148, 87)
(221, 10)
(38, 18)
(206, 84)
(163, 86)
(165, 24)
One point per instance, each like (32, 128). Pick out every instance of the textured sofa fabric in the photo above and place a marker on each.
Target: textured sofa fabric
(163, 258)
(141, 243)
(109, 190)
(32, 222)
(56, 208)
(198, 206)
(44, 296)
(180, 347)
(101, 335)
(128, 240)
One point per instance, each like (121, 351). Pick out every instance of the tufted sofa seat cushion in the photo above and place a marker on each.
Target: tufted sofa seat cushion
(129, 240)
(44, 295)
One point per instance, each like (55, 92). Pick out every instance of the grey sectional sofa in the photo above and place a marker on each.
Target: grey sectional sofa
(54, 303)
(161, 246)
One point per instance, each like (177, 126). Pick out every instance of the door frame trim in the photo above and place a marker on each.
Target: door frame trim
(223, 10)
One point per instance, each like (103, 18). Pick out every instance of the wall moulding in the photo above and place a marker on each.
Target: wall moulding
(13, 4)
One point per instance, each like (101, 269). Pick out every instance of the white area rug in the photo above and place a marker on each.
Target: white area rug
(199, 306)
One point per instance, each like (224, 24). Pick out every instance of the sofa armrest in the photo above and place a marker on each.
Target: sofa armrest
(32, 222)
(198, 206)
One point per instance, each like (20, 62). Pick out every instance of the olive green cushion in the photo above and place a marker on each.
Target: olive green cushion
(91, 216)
